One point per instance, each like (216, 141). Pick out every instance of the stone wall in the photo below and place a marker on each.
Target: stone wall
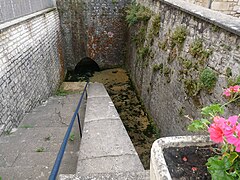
(73, 30)
(94, 29)
(31, 64)
(230, 7)
(171, 67)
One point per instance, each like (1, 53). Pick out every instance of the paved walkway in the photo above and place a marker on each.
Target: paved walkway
(30, 152)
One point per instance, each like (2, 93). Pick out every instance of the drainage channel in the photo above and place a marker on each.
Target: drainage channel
(141, 129)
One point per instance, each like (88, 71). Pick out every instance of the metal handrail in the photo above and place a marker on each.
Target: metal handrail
(58, 160)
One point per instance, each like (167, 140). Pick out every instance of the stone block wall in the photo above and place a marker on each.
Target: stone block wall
(31, 64)
(168, 67)
(230, 7)
(94, 29)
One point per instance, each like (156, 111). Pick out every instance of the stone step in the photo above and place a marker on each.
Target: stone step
(141, 175)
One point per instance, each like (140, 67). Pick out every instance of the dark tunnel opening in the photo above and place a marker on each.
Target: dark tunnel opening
(83, 70)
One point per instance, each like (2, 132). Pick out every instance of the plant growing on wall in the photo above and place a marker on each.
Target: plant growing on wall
(208, 79)
(138, 16)
(137, 13)
(225, 132)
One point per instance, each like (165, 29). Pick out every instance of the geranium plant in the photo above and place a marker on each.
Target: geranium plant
(225, 132)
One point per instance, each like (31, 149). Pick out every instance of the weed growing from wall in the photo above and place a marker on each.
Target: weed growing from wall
(137, 13)
(178, 37)
(155, 28)
(197, 51)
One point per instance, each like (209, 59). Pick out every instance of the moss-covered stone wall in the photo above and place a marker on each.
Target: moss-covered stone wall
(181, 59)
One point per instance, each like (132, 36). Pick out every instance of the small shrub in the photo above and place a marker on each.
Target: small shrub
(137, 13)
(208, 78)
(178, 37)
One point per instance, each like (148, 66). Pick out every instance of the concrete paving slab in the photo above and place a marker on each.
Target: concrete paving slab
(26, 173)
(97, 90)
(105, 138)
(100, 108)
(110, 164)
(42, 131)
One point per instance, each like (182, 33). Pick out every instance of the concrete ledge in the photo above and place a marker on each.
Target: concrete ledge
(158, 166)
(143, 175)
(98, 90)
(108, 138)
(224, 21)
(25, 18)
(105, 145)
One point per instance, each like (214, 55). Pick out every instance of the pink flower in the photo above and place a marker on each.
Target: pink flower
(232, 89)
(216, 129)
(230, 128)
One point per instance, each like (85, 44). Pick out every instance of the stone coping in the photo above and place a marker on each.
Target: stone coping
(158, 166)
(224, 21)
(13, 22)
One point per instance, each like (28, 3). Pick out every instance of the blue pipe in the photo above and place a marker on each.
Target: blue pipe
(58, 160)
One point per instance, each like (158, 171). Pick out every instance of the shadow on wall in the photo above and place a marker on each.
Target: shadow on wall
(83, 70)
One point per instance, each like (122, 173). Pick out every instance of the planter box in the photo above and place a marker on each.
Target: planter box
(158, 166)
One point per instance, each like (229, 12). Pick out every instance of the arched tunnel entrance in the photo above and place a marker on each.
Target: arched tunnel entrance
(83, 70)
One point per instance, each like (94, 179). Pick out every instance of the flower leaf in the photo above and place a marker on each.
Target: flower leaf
(218, 168)
(198, 125)
(212, 110)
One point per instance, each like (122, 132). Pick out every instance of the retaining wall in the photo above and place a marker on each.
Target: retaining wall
(168, 74)
(31, 64)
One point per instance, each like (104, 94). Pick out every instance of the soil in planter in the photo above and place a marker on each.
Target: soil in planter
(188, 163)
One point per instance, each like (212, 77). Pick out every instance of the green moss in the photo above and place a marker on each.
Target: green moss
(40, 149)
(143, 52)
(156, 25)
(158, 67)
(139, 38)
(137, 13)
(229, 72)
(114, 2)
(226, 47)
(215, 28)
(187, 64)
(178, 37)
(163, 45)
(62, 92)
(154, 30)
(172, 55)
(208, 78)
(181, 111)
